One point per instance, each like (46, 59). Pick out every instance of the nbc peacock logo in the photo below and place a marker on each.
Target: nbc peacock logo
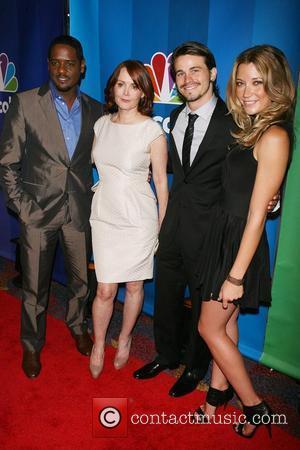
(163, 83)
(8, 80)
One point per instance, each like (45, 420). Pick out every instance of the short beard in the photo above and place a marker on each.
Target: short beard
(197, 97)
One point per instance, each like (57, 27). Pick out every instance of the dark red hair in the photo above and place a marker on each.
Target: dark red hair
(138, 72)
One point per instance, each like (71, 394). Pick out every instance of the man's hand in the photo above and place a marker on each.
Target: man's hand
(274, 202)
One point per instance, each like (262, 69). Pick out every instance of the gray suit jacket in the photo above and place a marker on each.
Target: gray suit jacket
(36, 172)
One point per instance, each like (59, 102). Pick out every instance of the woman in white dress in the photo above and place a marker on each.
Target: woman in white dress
(125, 219)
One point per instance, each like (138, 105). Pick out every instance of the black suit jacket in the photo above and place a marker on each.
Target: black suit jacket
(193, 195)
(36, 172)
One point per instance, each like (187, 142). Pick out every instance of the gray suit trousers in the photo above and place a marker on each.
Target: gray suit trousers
(38, 246)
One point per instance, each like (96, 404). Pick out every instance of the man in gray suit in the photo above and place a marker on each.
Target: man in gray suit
(46, 173)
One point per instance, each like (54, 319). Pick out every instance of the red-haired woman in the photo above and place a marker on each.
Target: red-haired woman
(125, 220)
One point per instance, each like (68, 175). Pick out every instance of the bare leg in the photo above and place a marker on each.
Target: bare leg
(212, 327)
(102, 312)
(132, 308)
(218, 379)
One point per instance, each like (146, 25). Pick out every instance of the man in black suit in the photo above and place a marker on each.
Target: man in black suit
(46, 173)
(199, 139)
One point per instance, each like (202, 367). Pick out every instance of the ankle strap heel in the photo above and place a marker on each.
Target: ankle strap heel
(215, 397)
(256, 415)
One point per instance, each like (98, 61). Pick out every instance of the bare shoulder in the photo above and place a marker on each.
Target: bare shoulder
(275, 135)
(273, 142)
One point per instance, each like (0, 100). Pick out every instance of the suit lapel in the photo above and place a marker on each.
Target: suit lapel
(85, 125)
(54, 127)
(173, 120)
(210, 132)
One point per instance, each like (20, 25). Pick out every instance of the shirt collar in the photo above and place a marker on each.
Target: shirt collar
(56, 95)
(205, 111)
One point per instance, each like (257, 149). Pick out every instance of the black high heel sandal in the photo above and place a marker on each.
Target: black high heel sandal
(255, 416)
(216, 398)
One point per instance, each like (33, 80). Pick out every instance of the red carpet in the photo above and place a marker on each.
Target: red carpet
(55, 410)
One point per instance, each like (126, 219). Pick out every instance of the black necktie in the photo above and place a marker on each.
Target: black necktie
(187, 142)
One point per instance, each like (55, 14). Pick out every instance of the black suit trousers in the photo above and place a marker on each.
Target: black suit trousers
(177, 258)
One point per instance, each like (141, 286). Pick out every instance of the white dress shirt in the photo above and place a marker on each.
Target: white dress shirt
(201, 124)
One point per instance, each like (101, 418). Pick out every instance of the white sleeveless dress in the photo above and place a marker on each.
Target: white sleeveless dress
(124, 216)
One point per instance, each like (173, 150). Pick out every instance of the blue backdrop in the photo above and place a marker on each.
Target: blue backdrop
(149, 31)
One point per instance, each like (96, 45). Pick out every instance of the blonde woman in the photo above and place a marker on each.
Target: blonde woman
(236, 275)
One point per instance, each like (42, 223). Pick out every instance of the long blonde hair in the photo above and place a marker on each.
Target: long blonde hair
(273, 67)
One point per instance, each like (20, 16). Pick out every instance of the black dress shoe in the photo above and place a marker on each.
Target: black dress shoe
(152, 369)
(84, 343)
(31, 364)
(188, 381)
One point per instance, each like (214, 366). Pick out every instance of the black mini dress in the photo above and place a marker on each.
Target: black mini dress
(228, 223)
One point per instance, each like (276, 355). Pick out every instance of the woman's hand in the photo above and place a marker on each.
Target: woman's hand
(230, 292)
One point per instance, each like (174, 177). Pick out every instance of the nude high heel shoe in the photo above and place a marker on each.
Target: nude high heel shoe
(122, 354)
(96, 363)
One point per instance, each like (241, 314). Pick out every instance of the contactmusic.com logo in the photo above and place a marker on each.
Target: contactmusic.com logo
(163, 83)
(110, 417)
